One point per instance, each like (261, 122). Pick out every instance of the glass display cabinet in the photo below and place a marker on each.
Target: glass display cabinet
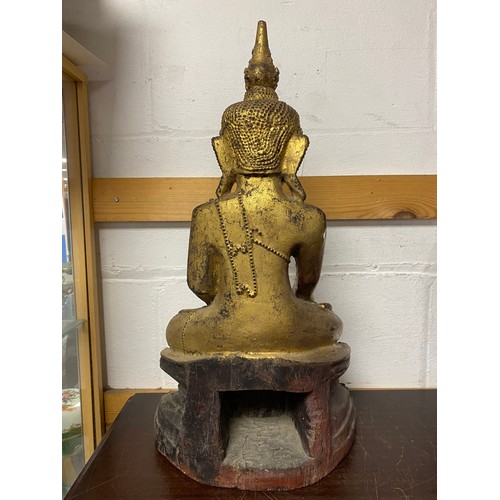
(82, 421)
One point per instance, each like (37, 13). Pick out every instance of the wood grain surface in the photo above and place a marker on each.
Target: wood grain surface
(340, 197)
(393, 456)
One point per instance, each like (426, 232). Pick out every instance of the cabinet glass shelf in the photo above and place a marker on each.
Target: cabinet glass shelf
(71, 326)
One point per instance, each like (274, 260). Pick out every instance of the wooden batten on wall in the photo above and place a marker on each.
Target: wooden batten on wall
(359, 197)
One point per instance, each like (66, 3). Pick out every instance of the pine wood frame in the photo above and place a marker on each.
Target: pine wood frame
(340, 197)
(85, 271)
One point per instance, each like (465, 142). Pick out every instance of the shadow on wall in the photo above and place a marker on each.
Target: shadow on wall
(117, 33)
(101, 38)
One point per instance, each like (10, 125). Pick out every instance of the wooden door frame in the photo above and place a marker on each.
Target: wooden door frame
(86, 284)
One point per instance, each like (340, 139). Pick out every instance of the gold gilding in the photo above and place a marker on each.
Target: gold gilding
(241, 243)
(261, 70)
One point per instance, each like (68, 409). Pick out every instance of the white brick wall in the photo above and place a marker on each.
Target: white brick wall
(361, 74)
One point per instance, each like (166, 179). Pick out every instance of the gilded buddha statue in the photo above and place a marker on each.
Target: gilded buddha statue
(242, 242)
(260, 350)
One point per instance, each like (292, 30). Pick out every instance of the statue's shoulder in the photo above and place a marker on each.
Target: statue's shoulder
(309, 220)
(203, 210)
(312, 212)
(315, 211)
(209, 209)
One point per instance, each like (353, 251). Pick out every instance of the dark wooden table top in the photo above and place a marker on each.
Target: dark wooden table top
(393, 456)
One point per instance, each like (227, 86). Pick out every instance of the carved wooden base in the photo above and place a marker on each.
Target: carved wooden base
(274, 423)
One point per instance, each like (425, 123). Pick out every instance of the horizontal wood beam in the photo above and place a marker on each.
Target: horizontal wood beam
(358, 197)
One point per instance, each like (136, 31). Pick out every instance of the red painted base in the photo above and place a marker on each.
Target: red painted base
(275, 423)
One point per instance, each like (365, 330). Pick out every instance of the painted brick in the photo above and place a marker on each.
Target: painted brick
(385, 152)
(131, 336)
(156, 250)
(385, 320)
(380, 244)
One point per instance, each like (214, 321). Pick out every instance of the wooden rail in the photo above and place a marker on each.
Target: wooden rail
(340, 197)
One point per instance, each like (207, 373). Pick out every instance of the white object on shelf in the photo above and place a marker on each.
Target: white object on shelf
(71, 410)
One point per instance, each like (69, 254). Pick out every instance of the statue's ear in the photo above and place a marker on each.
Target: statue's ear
(292, 158)
(227, 163)
(224, 154)
(294, 153)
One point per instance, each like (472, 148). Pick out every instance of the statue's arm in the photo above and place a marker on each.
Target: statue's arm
(309, 257)
(202, 270)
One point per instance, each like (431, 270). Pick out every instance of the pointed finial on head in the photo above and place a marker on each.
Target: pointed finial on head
(261, 70)
(261, 53)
